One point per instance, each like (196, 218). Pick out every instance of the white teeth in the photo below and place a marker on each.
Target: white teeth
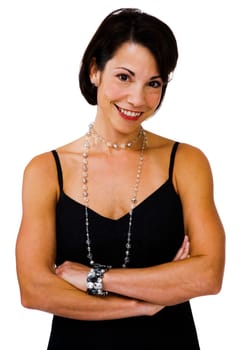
(130, 113)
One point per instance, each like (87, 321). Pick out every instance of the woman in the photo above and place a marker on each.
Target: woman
(106, 217)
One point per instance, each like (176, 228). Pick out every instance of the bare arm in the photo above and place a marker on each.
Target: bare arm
(40, 287)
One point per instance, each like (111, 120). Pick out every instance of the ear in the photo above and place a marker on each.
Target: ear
(94, 73)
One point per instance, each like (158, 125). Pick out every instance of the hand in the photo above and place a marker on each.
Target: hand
(73, 273)
(184, 250)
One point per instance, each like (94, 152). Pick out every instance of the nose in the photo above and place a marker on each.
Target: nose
(136, 95)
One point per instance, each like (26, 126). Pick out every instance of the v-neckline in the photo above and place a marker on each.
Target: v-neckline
(143, 202)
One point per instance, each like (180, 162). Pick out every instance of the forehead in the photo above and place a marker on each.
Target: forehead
(135, 57)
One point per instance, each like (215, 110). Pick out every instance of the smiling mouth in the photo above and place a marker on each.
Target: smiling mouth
(129, 114)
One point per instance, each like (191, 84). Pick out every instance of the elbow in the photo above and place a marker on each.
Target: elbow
(212, 283)
(28, 300)
(210, 276)
(35, 292)
(25, 302)
(216, 285)
(31, 297)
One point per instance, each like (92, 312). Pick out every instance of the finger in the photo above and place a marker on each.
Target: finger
(184, 250)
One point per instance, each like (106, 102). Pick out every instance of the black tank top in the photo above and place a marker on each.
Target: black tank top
(157, 234)
(157, 231)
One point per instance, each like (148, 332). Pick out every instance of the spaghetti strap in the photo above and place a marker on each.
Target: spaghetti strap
(172, 160)
(59, 169)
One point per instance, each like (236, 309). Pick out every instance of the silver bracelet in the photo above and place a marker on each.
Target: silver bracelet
(95, 280)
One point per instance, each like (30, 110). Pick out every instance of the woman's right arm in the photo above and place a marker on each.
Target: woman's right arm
(40, 287)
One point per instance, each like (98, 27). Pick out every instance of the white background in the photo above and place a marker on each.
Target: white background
(41, 108)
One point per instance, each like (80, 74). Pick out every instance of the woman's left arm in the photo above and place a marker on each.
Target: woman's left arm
(200, 274)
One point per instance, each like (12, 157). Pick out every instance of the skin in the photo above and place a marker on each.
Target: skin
(130, 81)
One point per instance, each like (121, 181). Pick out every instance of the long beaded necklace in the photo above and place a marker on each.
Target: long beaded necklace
(133, 200)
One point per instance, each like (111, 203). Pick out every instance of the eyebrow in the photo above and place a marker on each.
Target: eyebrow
(133, 73)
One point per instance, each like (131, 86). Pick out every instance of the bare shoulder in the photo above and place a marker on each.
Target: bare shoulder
(40, 180)
(187, 155)
(191, 158)
(42, 168)
(192, 169)
(41, 164)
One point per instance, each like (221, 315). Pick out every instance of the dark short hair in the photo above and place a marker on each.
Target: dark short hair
(128, 25)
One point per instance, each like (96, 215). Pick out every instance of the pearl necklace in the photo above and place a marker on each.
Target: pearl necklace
(114, 144)
(133, 200)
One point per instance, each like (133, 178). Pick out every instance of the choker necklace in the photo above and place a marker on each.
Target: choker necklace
(115, 145)
(133, 200)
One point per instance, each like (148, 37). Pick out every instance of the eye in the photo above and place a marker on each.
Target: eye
(155, 84)
(123, 77)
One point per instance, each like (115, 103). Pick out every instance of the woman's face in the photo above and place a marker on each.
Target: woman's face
(129, 87)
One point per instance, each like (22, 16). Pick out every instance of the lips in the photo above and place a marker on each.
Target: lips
(131, 115)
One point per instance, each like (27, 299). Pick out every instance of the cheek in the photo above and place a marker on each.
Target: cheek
(153, 99)
(108, 95)
(113, 92)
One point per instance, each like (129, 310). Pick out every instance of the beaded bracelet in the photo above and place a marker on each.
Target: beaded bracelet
(95, 280)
